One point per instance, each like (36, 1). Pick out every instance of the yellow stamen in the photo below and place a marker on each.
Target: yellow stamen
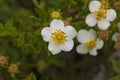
(59, 37)
(100, 14)
(90, 44)
(105, 4)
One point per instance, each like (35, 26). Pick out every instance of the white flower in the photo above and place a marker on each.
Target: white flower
(100, 14)
(59, 36)
(116, 35)
(89, 42)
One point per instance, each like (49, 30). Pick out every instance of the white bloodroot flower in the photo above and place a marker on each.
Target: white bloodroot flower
(101, 14)
(59, 36)
(89, 42)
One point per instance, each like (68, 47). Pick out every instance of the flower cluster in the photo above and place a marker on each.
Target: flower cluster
(60, 36)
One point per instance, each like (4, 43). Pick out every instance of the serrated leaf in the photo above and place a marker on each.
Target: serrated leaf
(31, 76)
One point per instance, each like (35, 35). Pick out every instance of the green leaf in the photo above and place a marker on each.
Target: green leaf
(115, 78)
(116, 65)
(8, 29)
(31, 76)
(35, 2)
(9, 24)
(4, 47)
(69, 19)
(13, 54)
(20, 39)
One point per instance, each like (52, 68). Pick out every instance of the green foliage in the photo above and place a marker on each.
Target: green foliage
(115, 78)
(8, 29)
(116, 65)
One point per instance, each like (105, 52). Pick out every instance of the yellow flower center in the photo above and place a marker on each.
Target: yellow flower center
(100, 14)
(59, 37)
(90, 44)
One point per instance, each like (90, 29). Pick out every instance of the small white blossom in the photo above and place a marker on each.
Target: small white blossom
(100, 14)
(59, 36)
(89, 42)
(116, 35)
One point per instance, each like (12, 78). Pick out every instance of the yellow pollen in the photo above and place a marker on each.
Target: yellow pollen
(90, 44)
(105, 4)
(59, 37)
(100, 14)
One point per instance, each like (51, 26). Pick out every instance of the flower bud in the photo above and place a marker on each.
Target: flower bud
(117, 4)
(103, 34)
(3, 60)
(13, 69)
(55, 14)
(41, 65)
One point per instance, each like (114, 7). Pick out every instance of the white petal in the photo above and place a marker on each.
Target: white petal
(55, 49)
(81, 49)
(56, 24)
(46, 32)
(114, 37)
(91, 20)
(93, 33)
(94, 5)
(103, 24)
(99, 43)
(93, 52)
(70, 32)
(83, 36)
(68, 45)
(111, 14)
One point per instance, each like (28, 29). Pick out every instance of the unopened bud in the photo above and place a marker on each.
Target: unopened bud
(41, 65)
(118, 38)
(13, 69)
(55, 14)
(3, 60)
(103, 34)
(117, 4)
